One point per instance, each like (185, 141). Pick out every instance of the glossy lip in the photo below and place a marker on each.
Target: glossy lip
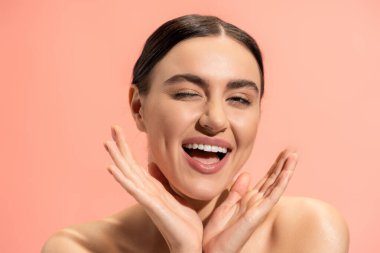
(207, 168)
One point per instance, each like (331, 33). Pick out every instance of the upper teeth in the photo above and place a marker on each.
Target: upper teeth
(208, 148)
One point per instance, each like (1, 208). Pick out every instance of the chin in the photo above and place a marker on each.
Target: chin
(200, 192)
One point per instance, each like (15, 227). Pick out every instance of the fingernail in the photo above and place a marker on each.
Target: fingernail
(113, 132)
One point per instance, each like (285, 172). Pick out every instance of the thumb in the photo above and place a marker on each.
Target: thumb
(239, 188)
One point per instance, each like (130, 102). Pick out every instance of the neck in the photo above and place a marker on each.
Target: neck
(204, 208)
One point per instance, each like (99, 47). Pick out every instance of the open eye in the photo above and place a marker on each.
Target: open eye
(239, 100)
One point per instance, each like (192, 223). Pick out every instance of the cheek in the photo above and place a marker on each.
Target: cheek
(170, 117)
(167, 124)
(245, 127)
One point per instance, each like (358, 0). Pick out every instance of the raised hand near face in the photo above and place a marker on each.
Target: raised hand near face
(178, 224)
(231, 224)
(235, 220)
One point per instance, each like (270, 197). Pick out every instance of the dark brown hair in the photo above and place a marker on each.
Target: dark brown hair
(182, 28)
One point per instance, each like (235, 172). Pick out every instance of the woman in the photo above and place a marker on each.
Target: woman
(196, 93)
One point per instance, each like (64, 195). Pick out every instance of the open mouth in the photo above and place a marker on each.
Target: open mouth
(205, 154)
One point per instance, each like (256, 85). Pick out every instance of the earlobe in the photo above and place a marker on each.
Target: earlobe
(135, 102)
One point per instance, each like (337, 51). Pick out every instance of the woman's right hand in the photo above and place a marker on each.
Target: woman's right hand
(179, 224)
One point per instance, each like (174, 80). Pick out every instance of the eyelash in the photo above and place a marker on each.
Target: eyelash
(181, 95)
(236, 99)
(240, 100)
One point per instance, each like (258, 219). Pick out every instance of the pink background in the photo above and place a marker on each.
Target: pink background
(65, 69)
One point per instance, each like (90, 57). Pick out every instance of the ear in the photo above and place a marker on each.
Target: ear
(135, 101)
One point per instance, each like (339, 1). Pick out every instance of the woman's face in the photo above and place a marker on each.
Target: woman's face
(201, 114)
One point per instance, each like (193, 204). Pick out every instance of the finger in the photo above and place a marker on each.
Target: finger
(241, 184)
(251, 197)
(116, 156)
(275, 172)
(259, 208)
(275, 191)
(132, 188)
(121, 179)
(270, 171)
(225, 213)
(247, 196)
(118, 137)
(238, 189)
(265, 201)
(126, 163)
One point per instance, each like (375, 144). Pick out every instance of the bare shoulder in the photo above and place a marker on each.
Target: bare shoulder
(81, 238)
(96, 236)
(309, 225)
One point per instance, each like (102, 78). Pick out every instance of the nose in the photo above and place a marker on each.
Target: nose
(214, 118)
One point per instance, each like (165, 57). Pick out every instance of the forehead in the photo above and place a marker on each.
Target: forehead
(216, 59)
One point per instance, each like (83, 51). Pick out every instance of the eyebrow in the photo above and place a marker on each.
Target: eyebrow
(233, 84)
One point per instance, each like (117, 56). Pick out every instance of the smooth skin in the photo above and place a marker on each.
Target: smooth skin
(182, 210)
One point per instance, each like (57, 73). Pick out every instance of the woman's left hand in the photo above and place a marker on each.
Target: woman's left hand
(233, 222)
